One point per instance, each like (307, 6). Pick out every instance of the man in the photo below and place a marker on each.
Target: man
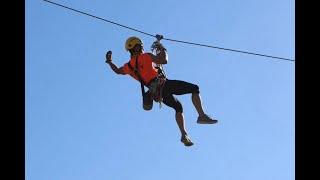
(141, 67)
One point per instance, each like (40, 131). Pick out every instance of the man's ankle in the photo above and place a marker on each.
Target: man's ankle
(184, 134)
(202, 114)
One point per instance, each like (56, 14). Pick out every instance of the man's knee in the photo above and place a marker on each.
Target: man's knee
(178, 107)
(195, 89)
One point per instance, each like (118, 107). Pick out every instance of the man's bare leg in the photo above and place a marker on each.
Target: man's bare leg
(184, 137)
(203, 118)
(180, 122)
(196, 100)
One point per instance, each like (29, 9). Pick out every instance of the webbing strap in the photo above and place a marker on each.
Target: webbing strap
(136, 72)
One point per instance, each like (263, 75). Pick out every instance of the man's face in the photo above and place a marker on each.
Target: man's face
(137, 48)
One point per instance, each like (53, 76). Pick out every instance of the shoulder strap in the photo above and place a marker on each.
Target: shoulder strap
(136, 72)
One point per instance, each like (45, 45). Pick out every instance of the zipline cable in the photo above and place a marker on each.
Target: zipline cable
(185, 42)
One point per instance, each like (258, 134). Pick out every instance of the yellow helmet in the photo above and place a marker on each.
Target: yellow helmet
(131, 42)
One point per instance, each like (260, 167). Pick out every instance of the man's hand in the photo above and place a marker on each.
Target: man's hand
(109, 57)
(113, 66)
(159, 37)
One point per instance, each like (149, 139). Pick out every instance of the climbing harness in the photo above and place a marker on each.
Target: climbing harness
(156, 85)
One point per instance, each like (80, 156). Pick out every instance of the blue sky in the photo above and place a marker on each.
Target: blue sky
(84, 122)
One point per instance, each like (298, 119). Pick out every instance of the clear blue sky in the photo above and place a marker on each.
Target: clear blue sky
(84, 122)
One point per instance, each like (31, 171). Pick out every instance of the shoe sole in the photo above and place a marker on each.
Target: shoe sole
(207, 122)
(188, 144)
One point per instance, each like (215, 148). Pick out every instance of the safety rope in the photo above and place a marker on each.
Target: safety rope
(173, 40)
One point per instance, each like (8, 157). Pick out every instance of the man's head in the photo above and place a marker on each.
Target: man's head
(134, 45)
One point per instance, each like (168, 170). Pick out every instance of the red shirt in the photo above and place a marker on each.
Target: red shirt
(145, 68)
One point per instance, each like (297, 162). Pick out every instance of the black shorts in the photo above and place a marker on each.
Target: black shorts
(176, 87)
